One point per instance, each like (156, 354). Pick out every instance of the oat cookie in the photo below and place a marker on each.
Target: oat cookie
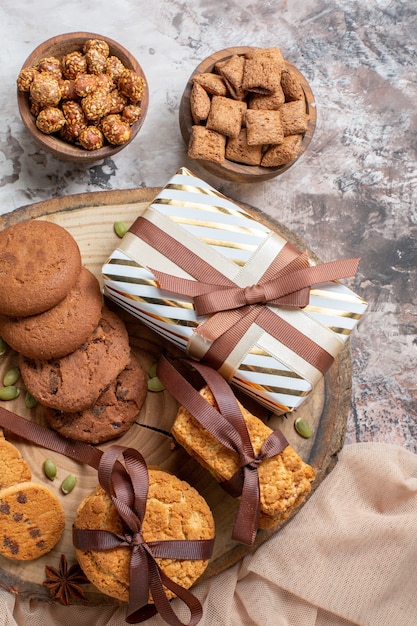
(284, 479)
(175, 510)
(31, 521)
(60, 330)
(75, 381)
(111, 415)
(39, 263)
(13, 467)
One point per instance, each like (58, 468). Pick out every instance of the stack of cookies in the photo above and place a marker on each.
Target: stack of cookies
(284, 479)
(174, 511)
(31, 516)
(74, 353)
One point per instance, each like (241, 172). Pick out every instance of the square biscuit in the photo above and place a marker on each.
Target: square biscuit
(263, 68)
(206, 144)
(199, 103)
(284, 479)
(232, 72)
(283, 153)
(294, 118)
(239, 151)
(264, 127)
(290, 85)
(226, 116)
(212, 83)
(270, 102)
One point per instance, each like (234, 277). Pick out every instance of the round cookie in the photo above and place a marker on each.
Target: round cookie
(39, 263)
(175, 510)
(61, 329)
(75, 381)
(112, 414)
(31, 521)
(13, 467)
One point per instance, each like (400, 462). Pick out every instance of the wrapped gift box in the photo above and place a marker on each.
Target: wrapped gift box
(192, 241)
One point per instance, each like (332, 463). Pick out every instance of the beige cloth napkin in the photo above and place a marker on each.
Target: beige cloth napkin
(348, 557)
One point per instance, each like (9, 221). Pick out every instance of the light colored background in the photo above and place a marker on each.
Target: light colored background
(352, 194)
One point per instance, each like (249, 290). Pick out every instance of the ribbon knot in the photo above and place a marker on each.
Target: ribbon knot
(255, 294)
(226, 423)
(128, 488)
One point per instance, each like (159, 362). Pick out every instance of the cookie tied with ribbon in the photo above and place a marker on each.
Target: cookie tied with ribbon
(122, 497)
(248, 459)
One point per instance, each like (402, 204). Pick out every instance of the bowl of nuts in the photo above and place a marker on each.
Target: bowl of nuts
(82, 96)
(247, 114)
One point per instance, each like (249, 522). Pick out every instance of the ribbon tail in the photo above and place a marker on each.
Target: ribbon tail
(183, 286)
(157, 580)
(247, 519)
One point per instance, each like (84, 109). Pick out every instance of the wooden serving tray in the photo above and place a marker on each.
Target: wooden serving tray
(90, 217)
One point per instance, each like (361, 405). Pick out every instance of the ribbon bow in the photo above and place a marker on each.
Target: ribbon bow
(128, 488)
(290, 286)
(128, 491)
(228, 426)
(286, 282)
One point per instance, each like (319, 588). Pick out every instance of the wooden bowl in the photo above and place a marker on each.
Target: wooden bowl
(59, 46)
(229, 170)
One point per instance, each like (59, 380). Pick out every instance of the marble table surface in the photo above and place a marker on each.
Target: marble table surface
(353, 193)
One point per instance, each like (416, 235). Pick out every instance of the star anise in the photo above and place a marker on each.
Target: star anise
(64, 582)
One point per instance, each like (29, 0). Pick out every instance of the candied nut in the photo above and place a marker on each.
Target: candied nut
(131, 113)
(118, 101)
(105, 82)
(52, 65)
(96, 61)
(131, 85)
(115, 129)
(72, 64)
(91, 138)
(75, 118)
(45, 90)
(85, 84)
(114, 68)
(67, 89)
(50, 120)
(25, 78)
(96, 105)
(97, 44)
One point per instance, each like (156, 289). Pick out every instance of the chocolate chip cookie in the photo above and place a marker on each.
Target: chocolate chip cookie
(75, 381)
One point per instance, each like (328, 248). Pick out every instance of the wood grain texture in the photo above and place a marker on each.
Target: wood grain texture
(238, 172)
(90, 217)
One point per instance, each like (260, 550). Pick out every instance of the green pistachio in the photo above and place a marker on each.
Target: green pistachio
(68, 483)
(49, 469)
(120, 228)
(303, 428)
(3, 346)
(154, 384)
(11, 377)
(30, 401)
(9, 393)
(152, 370)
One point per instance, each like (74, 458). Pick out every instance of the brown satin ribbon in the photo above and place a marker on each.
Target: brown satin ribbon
(127, 485)
(234, 309)
(228, 426)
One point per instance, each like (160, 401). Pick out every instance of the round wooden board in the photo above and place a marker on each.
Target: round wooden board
(90, 217)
